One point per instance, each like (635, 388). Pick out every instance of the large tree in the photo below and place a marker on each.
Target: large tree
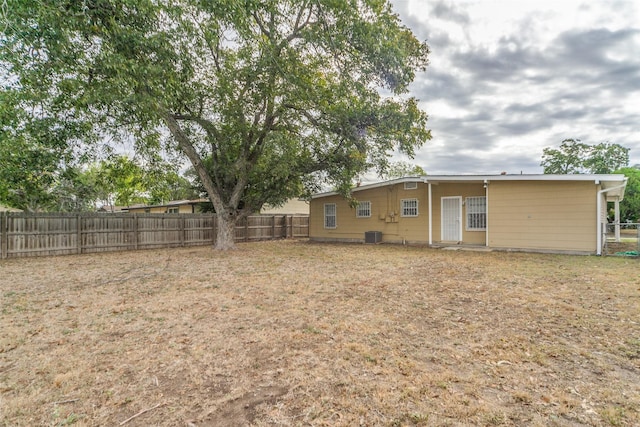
(574, 156)
(273, 95)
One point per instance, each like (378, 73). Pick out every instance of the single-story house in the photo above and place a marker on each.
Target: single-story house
(546, 213)
(291, 207)
(176, 206)
(4, 208)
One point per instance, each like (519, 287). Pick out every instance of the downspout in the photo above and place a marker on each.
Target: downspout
(598, 217)
(430, 217)
(486, 225)
(426, 181)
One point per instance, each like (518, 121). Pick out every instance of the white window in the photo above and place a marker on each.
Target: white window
(476, 213)
(330, 215)
(363, 210)
(409, 207)
(410, 185)
(173, 210)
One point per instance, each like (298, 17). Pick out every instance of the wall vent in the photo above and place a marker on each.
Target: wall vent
(410, 185)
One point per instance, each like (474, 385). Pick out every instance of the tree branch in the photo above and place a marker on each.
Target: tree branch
(204, 124)
(188, 149)
(297, 29)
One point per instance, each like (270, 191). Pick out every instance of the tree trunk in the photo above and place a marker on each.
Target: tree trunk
(226, 233)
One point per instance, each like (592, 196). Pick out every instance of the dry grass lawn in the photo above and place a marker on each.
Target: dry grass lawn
(292, 333)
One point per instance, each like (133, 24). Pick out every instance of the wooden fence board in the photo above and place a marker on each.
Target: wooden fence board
(29, 234)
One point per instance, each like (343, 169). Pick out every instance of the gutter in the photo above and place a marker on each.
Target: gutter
(598, 218)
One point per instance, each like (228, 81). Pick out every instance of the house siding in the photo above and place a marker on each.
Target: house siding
(385, 216)
(543, 215)
(187, 209)
(453, 190)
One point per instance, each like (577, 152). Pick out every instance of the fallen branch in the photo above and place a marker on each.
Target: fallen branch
(140, 413)
(60, 402)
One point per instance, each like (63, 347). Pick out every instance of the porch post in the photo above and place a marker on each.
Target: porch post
(486, 213)
(430, 217)
(617, 218)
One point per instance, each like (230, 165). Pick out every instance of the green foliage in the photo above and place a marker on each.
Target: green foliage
(574, 157)
(123, 181)
(630, 205)
(118, 181)
(267, 99)
(401, 169)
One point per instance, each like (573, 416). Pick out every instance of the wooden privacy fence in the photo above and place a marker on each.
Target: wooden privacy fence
(23, 234)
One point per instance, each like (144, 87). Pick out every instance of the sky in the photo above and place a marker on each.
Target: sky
(507, 78)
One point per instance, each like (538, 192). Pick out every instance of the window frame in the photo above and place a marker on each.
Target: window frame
(334, 216)
(360, 209)
(404, 208)
(173, 210)
(471, 208)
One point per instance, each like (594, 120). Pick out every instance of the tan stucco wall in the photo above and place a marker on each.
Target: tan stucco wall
(543, 215)
(385, 216)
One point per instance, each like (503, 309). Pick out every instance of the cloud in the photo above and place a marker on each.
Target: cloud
(449, 12)
(506, 80)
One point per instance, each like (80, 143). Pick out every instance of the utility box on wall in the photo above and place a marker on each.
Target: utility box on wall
(373, 236)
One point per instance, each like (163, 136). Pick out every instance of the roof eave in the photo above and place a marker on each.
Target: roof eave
(603, 179)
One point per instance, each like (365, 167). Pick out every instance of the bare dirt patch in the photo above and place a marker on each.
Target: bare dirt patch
(294, 333)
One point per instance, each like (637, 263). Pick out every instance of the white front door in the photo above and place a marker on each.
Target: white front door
(451, 219)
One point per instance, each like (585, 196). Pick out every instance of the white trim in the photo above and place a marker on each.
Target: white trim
(358, 209)
(533, 177)
(467, 213)
(442, 217)
(411, 207)
(430, 214)
(486, 232)
(371, 186)
(599, 222)
(335, 216)
(411, 185)
(607, 181)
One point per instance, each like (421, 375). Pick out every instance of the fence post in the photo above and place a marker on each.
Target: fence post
(79, 233)
(273, 227)
(135, 231)
(4, 243)
(182, 231)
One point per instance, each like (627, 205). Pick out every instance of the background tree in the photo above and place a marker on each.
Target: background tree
(630, 206)
(274, 95)
(574, 157)
(35, 151)
(606, 158)
(119, 181)
(170, 185)
(27, 175)
(401, 169)
(123, 181)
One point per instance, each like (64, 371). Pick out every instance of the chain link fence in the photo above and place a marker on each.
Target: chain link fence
(622, 239)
